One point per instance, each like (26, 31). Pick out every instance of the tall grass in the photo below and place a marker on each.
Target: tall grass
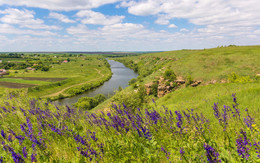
(37, 131)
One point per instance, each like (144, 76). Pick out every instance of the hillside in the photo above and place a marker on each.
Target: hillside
(185, 106)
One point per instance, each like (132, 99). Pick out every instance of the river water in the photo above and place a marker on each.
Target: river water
(121, 76)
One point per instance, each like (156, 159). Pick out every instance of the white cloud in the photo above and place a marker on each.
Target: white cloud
(24, 18)
(143, 8)
(231, 13)
(114, 31)
(65, 5)
(162, 20)
(91, 17)
(184, 30)
(9, 29)
(172, 26)
(61, 17)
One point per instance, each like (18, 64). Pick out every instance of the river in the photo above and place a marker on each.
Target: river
(121, 76)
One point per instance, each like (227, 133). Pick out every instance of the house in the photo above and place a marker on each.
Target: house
(65, 61)
(29, 68)
(3, 72)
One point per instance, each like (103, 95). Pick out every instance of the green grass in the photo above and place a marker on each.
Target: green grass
(13, 80)
(205, 65)
(123, 132)
(202, 98)
(79, 70)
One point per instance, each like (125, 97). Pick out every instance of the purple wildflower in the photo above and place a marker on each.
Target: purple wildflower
(3, 134)
(167, 154)
(242, 144)
(182, 152)
(10, 138)
(179, 119)
(33, 158)
(25, 152)
(216, 111)
(212, 154)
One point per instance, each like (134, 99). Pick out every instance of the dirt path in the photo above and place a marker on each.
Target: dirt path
(64, 89)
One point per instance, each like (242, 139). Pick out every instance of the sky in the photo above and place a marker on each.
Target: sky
(127, 25)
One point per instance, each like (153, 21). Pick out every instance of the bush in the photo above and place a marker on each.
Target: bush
(131, 99)
(189, 80)
(169, 75)
(234, 78)
(154, 88)
(132, 81)
(88, 103)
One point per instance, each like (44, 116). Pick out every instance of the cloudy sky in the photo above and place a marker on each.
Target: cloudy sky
(127, 25)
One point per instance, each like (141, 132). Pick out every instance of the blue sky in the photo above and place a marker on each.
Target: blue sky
(127, 25)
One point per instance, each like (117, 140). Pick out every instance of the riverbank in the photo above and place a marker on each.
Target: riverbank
(121, 75)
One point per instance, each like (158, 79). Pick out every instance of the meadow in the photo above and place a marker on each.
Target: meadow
(214, 121)
(37, 131)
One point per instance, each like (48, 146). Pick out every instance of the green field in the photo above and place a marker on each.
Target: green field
(59, 76)
(15, 80)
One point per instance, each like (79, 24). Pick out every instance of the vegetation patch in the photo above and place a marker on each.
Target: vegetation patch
(40, 79)
(16, 85)
(37, 131)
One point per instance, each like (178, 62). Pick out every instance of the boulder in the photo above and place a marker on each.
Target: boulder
(179, 82)
(195, 83)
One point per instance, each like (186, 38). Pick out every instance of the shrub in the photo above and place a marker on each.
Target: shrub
(169, 75)
(154, 88)
(189, 80)
(88, 103)
(132, 81)
(234, 78)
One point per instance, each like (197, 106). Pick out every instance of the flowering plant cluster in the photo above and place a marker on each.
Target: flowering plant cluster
(34, 131)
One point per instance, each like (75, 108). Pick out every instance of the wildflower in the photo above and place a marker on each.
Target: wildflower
(167, 154)
(10, 138)
(212, 154)
(216, 111)
(3, 134)
(182, 152)
(33, 158)
(25, 152)
(242, 144)
(179, 119)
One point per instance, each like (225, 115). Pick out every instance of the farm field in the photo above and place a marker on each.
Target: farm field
(45, 75)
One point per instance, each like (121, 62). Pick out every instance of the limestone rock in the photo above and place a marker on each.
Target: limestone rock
(148, 88)
(195, 83)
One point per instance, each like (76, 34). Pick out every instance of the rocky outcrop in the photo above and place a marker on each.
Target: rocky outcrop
(179, 82)
(163, 90)
(163, 87)
(166, 87)
(148, 88)
(195, 83)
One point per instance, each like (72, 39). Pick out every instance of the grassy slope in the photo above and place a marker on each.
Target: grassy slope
(205, 65)
(210, 64)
